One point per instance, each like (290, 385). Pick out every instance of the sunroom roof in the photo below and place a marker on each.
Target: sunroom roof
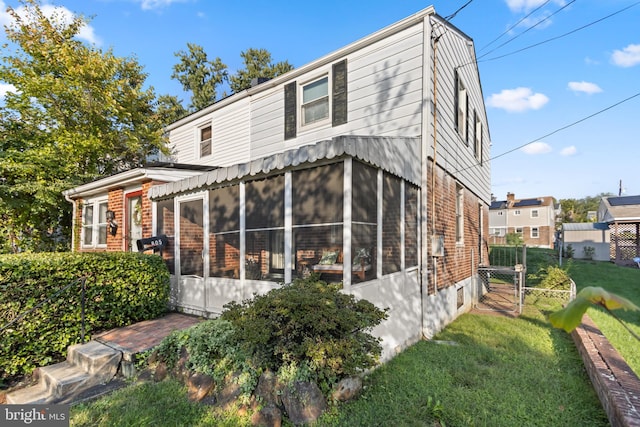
(399, 156)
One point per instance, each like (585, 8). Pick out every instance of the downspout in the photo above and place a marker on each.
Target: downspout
(435, 154)
(73, 221)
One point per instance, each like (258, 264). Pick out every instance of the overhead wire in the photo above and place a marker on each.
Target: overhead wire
(557, 37)
(540, 22)
(514, 25)
(557, 130)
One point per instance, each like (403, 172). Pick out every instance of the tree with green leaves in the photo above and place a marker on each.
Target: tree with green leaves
(257, 64)
(199, 75)
(77, 113)
(169, 109)
(576, 210)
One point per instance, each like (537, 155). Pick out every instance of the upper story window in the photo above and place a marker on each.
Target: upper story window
(205, 141)
(477, 146)
(535, 213)
(315, 101)
(500, 213)
(94, 224)
(461, 105)
(516, 212)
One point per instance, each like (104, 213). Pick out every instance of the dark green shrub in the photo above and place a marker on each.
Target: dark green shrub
(309, 325)
(121, 288)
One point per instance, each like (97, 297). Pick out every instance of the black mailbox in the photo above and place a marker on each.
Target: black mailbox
(155, 243)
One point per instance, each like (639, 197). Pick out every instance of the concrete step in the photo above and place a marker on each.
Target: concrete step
(95, 358)
(87, 365)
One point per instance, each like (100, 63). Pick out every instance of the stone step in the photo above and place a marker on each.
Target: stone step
(95, 358)
(87, 365)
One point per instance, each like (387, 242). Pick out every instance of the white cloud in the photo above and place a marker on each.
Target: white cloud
(57, 14)
(527, 5)
(569, 151)
(585, 87)
(537, 148)
(627, 57)
(517, 100)
(4, 88)
(157, 4)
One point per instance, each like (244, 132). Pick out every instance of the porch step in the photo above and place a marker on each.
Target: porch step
(87, 365)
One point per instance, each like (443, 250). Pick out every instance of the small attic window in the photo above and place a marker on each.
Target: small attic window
(205, 141)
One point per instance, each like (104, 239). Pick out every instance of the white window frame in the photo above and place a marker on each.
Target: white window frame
(200, 141)
(535, 232)
(459, 214)
(517, 212)
(463, 109)
(519, 230)
(478, 139)
(500, 213)
(303, 124)
(95, 225)
(535, 213)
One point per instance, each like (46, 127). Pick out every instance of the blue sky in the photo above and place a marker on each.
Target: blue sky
(568, 75)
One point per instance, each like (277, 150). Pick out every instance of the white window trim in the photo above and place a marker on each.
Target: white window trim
(537, 213)
(535, 235)
(306, 126)
(463, 110)
(517, 212)
(519, 230)
(478, 139)
(198, 142)
(95, 226)
(459, 215)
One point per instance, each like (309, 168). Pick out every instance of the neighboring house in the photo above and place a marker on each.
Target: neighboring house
(587, 240)
(354, 167)
(534, 219)
(622, 214)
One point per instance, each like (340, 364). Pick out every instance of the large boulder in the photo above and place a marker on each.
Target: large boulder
(269, 389)
(347, 389)
(199, 386)
(303, 401)
(269, 416)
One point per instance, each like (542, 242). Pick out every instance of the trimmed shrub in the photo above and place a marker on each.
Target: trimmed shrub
(310, 326)
(121, 288)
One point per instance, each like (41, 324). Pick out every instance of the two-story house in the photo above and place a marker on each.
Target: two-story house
(534, 219)
(368, 166)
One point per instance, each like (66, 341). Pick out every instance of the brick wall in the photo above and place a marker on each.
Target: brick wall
(461, 259)
(116, 204)
(617, 386)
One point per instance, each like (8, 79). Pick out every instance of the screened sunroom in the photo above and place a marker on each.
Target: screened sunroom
(335, 209)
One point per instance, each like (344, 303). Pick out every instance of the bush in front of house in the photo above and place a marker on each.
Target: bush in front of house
(121, 288)
(307, 330)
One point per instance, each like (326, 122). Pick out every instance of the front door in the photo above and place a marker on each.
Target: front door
(134, 220)
(191, 253)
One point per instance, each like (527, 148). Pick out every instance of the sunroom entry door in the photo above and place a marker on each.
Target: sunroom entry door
(192, 254)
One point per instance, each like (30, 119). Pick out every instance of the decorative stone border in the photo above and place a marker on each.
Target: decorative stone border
(617, 386)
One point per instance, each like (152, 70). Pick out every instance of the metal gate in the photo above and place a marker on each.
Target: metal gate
(500, 289)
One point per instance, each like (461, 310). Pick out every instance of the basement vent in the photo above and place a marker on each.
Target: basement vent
(460, 297)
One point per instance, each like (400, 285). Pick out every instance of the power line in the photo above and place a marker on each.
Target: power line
(557, 37)
(530, 28)
(514, 25)
(557, 130)
(453, 15)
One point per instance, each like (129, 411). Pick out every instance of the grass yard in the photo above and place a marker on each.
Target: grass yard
(623, 281)
(480, 371)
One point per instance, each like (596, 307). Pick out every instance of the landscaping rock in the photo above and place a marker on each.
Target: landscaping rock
(347, 389)
(303, 402)
(230, 391)
(199, 386)
(160, 372)
(268, 416)
(269, 389)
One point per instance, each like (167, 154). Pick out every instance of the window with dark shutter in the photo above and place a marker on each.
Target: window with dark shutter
(339, 93)
(290, 120)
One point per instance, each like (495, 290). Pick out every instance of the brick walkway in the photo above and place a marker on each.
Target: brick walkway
(145, 335)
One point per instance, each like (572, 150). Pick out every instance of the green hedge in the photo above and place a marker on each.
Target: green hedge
(121, 288)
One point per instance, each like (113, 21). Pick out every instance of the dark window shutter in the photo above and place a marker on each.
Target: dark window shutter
(339, 93)
(290, 120)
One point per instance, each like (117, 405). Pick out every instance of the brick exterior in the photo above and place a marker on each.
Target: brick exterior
(460, 260)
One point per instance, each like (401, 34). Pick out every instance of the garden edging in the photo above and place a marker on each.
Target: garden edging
(617, 386)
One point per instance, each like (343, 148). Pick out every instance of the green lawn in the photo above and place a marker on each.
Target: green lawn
(480, 371)
(623, 281)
